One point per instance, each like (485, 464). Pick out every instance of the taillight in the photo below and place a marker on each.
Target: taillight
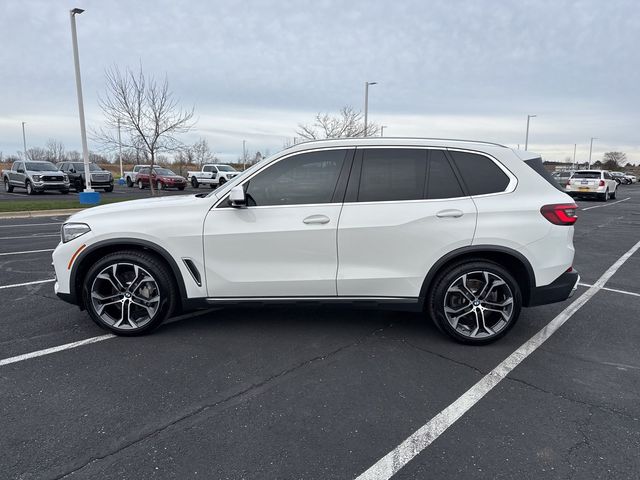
(602, 183)
(560, 213)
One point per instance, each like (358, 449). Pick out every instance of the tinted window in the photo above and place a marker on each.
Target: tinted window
(441, 181)
(301, 179)
(479, 173)
(537, 165)
(586, 175)
(392, 174)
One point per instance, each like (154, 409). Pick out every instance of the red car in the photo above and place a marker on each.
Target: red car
(161, 177)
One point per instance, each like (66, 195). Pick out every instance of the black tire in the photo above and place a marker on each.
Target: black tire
(29, 187)
(194, 182)
(603, 197)
(212, 186)
(160, 186)
(442, 292)
(64, 192)
(613, 195)
(7, 186)
(181, 188)
(140, 185)
(109, 189)
(222, 181)
(129, 182)
(161, 275)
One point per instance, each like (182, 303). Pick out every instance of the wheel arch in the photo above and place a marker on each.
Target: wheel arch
(99, 249)
(512, 260)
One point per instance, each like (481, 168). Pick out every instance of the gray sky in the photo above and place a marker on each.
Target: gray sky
(255, 69)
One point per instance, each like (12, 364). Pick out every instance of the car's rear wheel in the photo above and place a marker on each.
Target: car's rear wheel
(7, 186)
(603, 197)
(129, 182)
(475, 302)
(613, 194)
(194, 182)
(129, 292)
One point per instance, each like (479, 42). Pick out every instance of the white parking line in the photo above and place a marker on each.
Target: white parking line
(612, 290)
(606, 204)
(397, 458)
(2, 287)
(28, 251)
(87, 341)
(29, 225)
(35, 235)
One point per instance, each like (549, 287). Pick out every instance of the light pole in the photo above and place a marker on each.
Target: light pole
(366, 105)
(88, 195)
(590, 150)
(574, 155)
(24, 142)
(120, 155)
(244, 155)
(526, 138)
(382, 127)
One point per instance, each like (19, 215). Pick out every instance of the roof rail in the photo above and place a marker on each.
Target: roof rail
(398, 138)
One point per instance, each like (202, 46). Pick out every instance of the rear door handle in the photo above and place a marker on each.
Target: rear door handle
(451, 213)
(316, 219)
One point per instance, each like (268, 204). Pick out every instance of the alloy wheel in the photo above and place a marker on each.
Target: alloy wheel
(125, 296)
(479, 304)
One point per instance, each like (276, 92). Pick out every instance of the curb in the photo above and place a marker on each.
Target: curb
(39, 213)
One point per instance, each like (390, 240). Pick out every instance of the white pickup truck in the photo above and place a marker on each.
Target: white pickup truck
(212, 174)
(130, 177)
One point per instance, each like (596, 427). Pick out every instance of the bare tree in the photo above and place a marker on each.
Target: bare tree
(201, 152)
(37, 154)
(613, 160)
(348, 123)
(55, 150)
(149, 115)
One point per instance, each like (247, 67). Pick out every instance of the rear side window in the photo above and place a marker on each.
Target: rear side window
(592, 175)
(479, 173)
(441, 180)
(537, 165)
(392, 174)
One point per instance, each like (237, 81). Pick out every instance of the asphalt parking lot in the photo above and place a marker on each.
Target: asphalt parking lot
(120, 191)
(319, 392)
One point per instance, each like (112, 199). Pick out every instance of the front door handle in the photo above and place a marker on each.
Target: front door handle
(451, 213)
(316, 220)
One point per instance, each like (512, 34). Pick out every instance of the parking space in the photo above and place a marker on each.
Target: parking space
(319, 392)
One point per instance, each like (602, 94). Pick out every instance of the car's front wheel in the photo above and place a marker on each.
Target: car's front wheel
(129, 292)
(475, 302)
(29, 187)
(140, 184)
(7, 186)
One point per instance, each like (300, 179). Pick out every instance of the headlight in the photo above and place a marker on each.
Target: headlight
(65, 178)
(73, 230)
(36, 178)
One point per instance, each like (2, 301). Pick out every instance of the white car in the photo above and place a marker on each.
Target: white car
(597, 184)
(212, 174)
(631, 177)
(131, 177)
(466, 232)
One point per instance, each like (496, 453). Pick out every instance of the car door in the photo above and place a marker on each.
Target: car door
(19, 175)
(404, 209)
(283, 244)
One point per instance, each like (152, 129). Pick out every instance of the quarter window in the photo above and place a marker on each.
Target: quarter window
(392, 174)
(302, 179)
(479, 173)
(441, 180)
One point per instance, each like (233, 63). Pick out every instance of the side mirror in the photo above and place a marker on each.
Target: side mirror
(21, 170)
(72, 170)
(237, 198)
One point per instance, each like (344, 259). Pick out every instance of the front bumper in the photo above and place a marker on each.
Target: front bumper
(41, 186)
(559, 290)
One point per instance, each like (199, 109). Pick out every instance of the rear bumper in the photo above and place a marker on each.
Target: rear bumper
(560, 289)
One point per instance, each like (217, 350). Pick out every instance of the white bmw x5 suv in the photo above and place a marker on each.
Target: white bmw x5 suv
(466, 232)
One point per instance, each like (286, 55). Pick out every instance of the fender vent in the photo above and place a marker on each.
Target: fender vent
(193, 270)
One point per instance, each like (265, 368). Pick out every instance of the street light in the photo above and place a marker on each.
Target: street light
(590, 150)
(366, 104)
(382, 127)
(24, 142)
(575, 145)
(526, 139)
(88, 196)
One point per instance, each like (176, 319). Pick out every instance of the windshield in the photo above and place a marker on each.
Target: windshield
(163, 171)
(587, 175)
(226, 168)
(92, 167)
(40, 167)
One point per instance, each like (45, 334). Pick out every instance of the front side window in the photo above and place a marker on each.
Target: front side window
(392, 174)
(479, 173)
(306, 178)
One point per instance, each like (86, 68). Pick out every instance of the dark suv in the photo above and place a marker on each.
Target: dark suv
(100, 178)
